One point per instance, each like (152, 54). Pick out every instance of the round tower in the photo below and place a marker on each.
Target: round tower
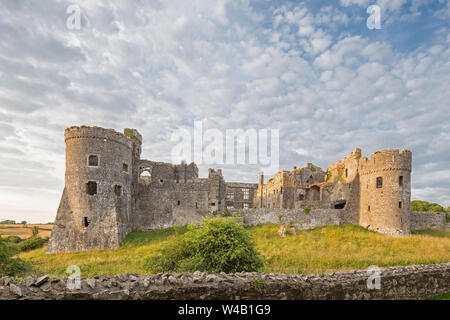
(95, 208)
(385, 191)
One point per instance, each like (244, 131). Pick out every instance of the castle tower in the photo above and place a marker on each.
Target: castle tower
(96, 205)
(385, 191)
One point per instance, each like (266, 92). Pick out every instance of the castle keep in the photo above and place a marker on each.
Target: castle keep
(110, 191)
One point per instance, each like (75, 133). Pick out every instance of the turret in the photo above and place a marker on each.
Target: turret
(385, 191)
(96, 204)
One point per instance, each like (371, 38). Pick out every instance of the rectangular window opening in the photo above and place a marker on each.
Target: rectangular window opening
(400, 181)
(379, 182)
(118, 190)
(93, 161)
(91, 188)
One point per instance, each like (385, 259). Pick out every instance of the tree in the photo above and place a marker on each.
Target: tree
(35, 231)
(23, 222)
(419, 205)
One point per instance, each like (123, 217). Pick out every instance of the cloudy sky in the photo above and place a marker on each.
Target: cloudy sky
(311, 69)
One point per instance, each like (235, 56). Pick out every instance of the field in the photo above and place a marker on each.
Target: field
(24, 231)
(320, 250)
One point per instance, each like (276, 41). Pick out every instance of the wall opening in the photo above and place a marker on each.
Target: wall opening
(161, 180)
(400, 204)
(379, 182)
(368, 208)
(400, 180)
(86, 222)
(178, 202)
(346, 172)
(125, 167)
(93, 161)
(91, 188)
(118, 190)
(340, 205)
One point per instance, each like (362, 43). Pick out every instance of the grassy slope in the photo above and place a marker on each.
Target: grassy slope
(314, 251)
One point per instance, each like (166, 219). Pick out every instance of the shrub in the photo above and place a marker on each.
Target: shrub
(13, 239)
(307, 210)
(31, 243)
(218, 245)
(10, 266)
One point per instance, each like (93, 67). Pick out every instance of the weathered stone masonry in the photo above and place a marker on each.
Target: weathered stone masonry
(110, 191)
(411, 282)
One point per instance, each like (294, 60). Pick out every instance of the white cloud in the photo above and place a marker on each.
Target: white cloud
(158, 66)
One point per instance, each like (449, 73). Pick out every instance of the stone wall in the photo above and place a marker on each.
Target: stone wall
(295, 217)
(411, 282)
(427, 220)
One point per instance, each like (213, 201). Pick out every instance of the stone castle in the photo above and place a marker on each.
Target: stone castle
(110, 191)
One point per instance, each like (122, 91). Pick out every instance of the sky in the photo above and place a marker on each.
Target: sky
(311, 69)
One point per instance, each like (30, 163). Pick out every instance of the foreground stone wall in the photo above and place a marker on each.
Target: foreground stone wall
(294, 217)
(411, 282)
(427, 220)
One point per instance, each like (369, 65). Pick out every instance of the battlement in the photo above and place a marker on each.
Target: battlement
(86, 132)
(386, 160)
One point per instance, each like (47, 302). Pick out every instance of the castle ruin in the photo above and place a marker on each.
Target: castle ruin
(110, 191)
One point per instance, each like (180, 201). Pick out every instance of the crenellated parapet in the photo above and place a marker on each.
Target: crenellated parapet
(386, 160)
(97, 133)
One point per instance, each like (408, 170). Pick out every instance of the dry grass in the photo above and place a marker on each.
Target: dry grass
(314, 251)
(24, 232)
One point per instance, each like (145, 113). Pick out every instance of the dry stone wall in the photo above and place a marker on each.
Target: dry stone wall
(299, 218)
(411, 282)
(427, 220)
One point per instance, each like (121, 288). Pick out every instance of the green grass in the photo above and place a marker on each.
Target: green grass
(444, 296)
(321, 250)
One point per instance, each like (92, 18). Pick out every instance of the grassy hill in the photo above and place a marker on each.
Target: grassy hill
(326, 249)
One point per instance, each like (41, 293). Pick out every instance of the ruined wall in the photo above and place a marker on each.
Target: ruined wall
(96, 204)
(427, 220)
(237, 198)
(295, 217)
(386, 209)
(411, 282)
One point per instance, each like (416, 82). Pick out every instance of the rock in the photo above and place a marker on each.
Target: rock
(42, 280)
(15, 289)
(172, 280)
(211, 278)
(133, 278)
(282, 232)
(293, 231)
(6, 281)
(91, 283)
(29, 281)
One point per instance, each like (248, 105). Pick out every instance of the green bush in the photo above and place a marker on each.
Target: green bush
(307, 210)
(10, 266)
(218, 245)
(13, 239)
(31, 243)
